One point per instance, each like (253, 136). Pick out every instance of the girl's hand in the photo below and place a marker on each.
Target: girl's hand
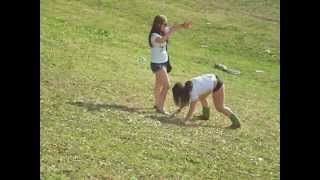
(166, 30)
(187, 25)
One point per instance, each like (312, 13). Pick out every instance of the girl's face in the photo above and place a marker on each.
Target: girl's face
(163, 27)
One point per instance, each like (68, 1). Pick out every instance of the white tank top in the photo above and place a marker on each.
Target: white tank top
(201, 85)
(158, 50)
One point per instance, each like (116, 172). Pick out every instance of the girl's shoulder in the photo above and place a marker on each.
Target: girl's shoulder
(155, 34)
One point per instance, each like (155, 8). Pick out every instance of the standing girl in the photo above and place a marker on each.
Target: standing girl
(198, 89)
(158, 39)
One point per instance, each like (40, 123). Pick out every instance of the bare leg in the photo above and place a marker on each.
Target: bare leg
(218, 99)
(164, 81)
(205, 107)
(157, 88)
(203, 100)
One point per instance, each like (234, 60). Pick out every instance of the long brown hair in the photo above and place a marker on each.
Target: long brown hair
(181, 94)
(156, 26)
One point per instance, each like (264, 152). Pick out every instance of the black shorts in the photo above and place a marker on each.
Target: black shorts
(157, 66)
(219, 84)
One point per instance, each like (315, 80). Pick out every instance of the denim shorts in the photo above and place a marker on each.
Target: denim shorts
(157, 66)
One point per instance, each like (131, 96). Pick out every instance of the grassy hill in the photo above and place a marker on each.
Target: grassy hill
(97, 120)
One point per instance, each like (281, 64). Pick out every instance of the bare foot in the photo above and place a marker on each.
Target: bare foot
(162, 111)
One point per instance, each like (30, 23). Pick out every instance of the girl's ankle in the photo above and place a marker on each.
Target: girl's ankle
(162, 111)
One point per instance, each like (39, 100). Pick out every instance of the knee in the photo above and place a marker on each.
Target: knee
(166, 86)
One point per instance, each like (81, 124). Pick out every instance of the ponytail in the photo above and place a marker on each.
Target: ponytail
(177, 93)
(186, 93)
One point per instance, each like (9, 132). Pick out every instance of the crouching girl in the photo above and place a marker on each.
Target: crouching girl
(198, 89)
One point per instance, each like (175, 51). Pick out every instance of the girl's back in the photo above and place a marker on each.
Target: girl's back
(202, 84)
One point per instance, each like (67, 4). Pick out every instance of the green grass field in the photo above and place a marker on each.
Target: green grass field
(97, 120)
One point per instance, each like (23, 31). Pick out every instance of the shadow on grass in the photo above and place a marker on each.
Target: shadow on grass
(197, 121)
(91, 106)
(151, 114)
(173, 120)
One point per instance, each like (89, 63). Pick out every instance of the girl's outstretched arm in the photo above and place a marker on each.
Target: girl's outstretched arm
(174, 28)
(163, 38)
(177, 27)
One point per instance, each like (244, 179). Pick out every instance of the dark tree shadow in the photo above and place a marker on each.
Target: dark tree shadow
(91, 106)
